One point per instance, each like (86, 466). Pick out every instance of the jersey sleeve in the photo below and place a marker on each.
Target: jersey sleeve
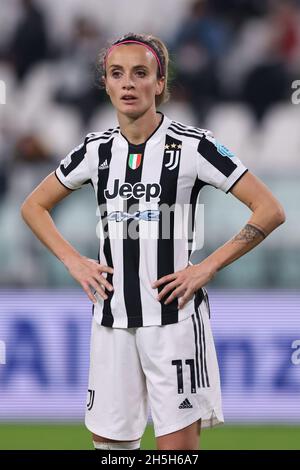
(216, 165)
(73, 171)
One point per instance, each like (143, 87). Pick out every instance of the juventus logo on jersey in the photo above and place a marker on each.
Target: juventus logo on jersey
(174, 155)
(90, 399)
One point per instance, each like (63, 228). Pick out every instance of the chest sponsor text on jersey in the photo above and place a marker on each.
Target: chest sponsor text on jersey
(138, 191)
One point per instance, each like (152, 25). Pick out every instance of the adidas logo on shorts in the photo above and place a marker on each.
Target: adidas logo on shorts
(185, 404)
(103, 165)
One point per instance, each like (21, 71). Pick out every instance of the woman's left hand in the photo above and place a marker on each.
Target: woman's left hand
(184, 283)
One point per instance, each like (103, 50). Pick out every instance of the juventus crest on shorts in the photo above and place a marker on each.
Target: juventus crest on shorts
(147, 197)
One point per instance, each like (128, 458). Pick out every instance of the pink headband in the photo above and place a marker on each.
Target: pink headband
(136, 42)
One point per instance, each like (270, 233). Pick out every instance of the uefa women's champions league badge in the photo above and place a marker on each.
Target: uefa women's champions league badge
(224, 151)
(71, 157)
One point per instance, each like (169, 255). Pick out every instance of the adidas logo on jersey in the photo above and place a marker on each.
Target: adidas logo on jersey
(103, 165)
(185, 404)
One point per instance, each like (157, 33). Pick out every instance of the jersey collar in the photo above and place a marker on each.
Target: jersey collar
(156, 134)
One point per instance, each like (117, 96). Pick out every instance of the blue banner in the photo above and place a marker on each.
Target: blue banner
(45, 336)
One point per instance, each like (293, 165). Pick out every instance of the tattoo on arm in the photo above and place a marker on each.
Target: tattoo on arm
(248, 234)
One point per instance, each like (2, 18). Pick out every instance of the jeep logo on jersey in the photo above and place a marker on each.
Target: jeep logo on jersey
(138, 191)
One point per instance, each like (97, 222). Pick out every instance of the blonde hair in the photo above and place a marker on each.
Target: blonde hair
(161, 51)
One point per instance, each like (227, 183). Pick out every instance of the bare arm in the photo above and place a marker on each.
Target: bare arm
(267, 214)
(36, 213)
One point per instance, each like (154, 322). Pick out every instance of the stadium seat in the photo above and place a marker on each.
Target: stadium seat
(7, 76)
(41, 82)
(76, 219)
(19, 252)
(180, 111)
(280, 140)
(34, 96)
(60, 129)
(218, 228)
(234, 126)
(102, 119)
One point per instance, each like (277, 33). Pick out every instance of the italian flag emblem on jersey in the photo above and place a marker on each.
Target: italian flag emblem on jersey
(134, 160)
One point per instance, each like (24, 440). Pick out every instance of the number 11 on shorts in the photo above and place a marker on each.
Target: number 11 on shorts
(179, 369)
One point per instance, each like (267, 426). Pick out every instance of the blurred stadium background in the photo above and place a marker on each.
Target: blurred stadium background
(233, 66)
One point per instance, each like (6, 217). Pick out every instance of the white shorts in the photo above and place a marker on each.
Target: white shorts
(173, 368)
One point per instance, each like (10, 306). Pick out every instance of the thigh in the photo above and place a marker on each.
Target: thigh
(117, 396)
(185, 439)
(182, 374)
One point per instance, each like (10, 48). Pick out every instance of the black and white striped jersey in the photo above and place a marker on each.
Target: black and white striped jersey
(147, 197)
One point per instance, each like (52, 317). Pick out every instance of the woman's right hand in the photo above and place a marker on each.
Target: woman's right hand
(88, 273)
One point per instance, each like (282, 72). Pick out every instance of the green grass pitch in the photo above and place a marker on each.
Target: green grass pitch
(75, 436)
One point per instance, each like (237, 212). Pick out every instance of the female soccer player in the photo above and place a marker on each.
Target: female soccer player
(151, 340)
